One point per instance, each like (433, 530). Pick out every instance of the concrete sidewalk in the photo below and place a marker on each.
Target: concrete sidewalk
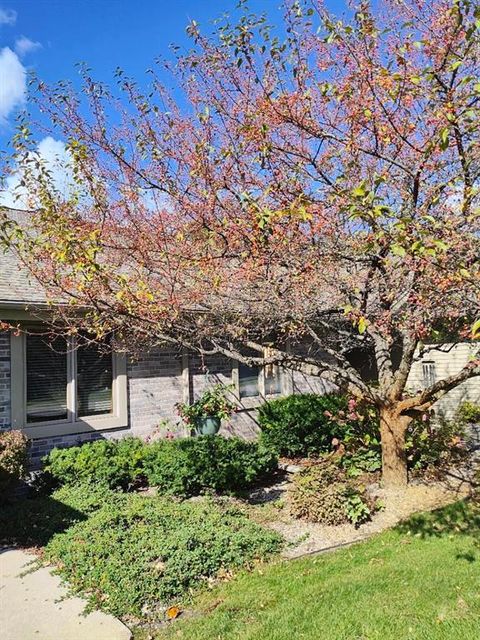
(32, 608)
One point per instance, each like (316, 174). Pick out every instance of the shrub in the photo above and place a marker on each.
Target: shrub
(322, 493)
(428, 444)
(434, 445)
(469, 413)
(136, 555)
(13, 458)
(303, 425)
(115, 463)
(190, 466)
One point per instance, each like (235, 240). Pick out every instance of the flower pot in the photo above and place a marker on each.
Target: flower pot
(207, 425)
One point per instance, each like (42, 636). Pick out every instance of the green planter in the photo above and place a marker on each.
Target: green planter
(207, 426)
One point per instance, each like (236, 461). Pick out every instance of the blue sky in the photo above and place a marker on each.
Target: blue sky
(51, 36)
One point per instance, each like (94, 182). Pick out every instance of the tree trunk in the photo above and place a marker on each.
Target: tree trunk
(394, 459)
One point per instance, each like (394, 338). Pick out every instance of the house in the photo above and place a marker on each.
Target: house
(63, 394)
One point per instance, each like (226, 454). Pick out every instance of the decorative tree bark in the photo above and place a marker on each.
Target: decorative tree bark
(321, 192)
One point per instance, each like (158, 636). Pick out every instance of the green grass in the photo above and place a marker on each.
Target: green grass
(420, 581)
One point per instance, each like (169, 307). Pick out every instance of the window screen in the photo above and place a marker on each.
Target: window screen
(94, 381)
(46, 379)
(248, 380)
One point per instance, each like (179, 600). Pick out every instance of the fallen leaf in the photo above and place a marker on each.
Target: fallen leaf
(173, 612)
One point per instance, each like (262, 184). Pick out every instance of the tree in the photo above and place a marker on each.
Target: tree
(307, 197)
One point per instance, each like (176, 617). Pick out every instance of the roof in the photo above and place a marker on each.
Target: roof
(17, 286)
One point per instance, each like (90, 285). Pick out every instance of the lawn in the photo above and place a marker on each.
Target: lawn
(420, 581)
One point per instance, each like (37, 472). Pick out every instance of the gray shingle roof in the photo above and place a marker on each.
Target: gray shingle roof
(17, 286)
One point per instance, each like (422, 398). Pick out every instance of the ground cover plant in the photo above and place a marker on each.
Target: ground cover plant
(133, 555)
(181, 467)
(417, 582)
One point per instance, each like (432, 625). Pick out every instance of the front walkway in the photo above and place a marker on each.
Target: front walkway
(34, 606)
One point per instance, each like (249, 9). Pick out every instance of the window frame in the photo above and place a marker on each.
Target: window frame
(429, 373)
(261, 384)
(118, 418)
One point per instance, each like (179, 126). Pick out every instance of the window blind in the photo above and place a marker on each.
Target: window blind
(94, 381)
(46, 379)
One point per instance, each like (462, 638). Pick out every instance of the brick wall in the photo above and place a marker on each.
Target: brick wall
(203, 372)
(160, 379)
(155, 385)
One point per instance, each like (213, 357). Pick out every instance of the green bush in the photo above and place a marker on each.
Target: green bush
(303, 425)
(322, 493)
(136, 555)
(190, 466)
(434, 445)
(428, 444)
(116, 463)
(469, 413)
(182, 467)
(13, 458)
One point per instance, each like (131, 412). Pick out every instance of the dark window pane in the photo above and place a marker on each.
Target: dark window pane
(46, 379)
(273, 380)
(248, 380)
(94, 381)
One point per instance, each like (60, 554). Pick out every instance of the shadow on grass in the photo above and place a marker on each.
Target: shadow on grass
(33, 522)
(459, 518)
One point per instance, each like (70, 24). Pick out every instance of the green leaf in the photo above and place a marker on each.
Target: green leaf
(444, 138)
(362, 325)
(360, 191)
(398, 250)
(476, 329)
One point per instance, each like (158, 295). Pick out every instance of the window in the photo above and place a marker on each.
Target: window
(255, 381)
(272, 380)
(59, 387)
(46, 370)
(248, 382)
(429, 373)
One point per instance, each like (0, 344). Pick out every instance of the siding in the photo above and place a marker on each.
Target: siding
(448, 363)
(4, 380)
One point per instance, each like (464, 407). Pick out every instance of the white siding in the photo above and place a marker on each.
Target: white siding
(446, 363)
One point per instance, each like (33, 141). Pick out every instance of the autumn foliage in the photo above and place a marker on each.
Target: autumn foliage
(313, 192)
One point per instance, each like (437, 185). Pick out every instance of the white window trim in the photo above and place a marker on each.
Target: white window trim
(261, 385)
(115, 420)
(429, 373)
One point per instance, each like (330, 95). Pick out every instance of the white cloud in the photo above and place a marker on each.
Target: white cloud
(13, 85)
(8, 16)
(24, 45)
(56, 159)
